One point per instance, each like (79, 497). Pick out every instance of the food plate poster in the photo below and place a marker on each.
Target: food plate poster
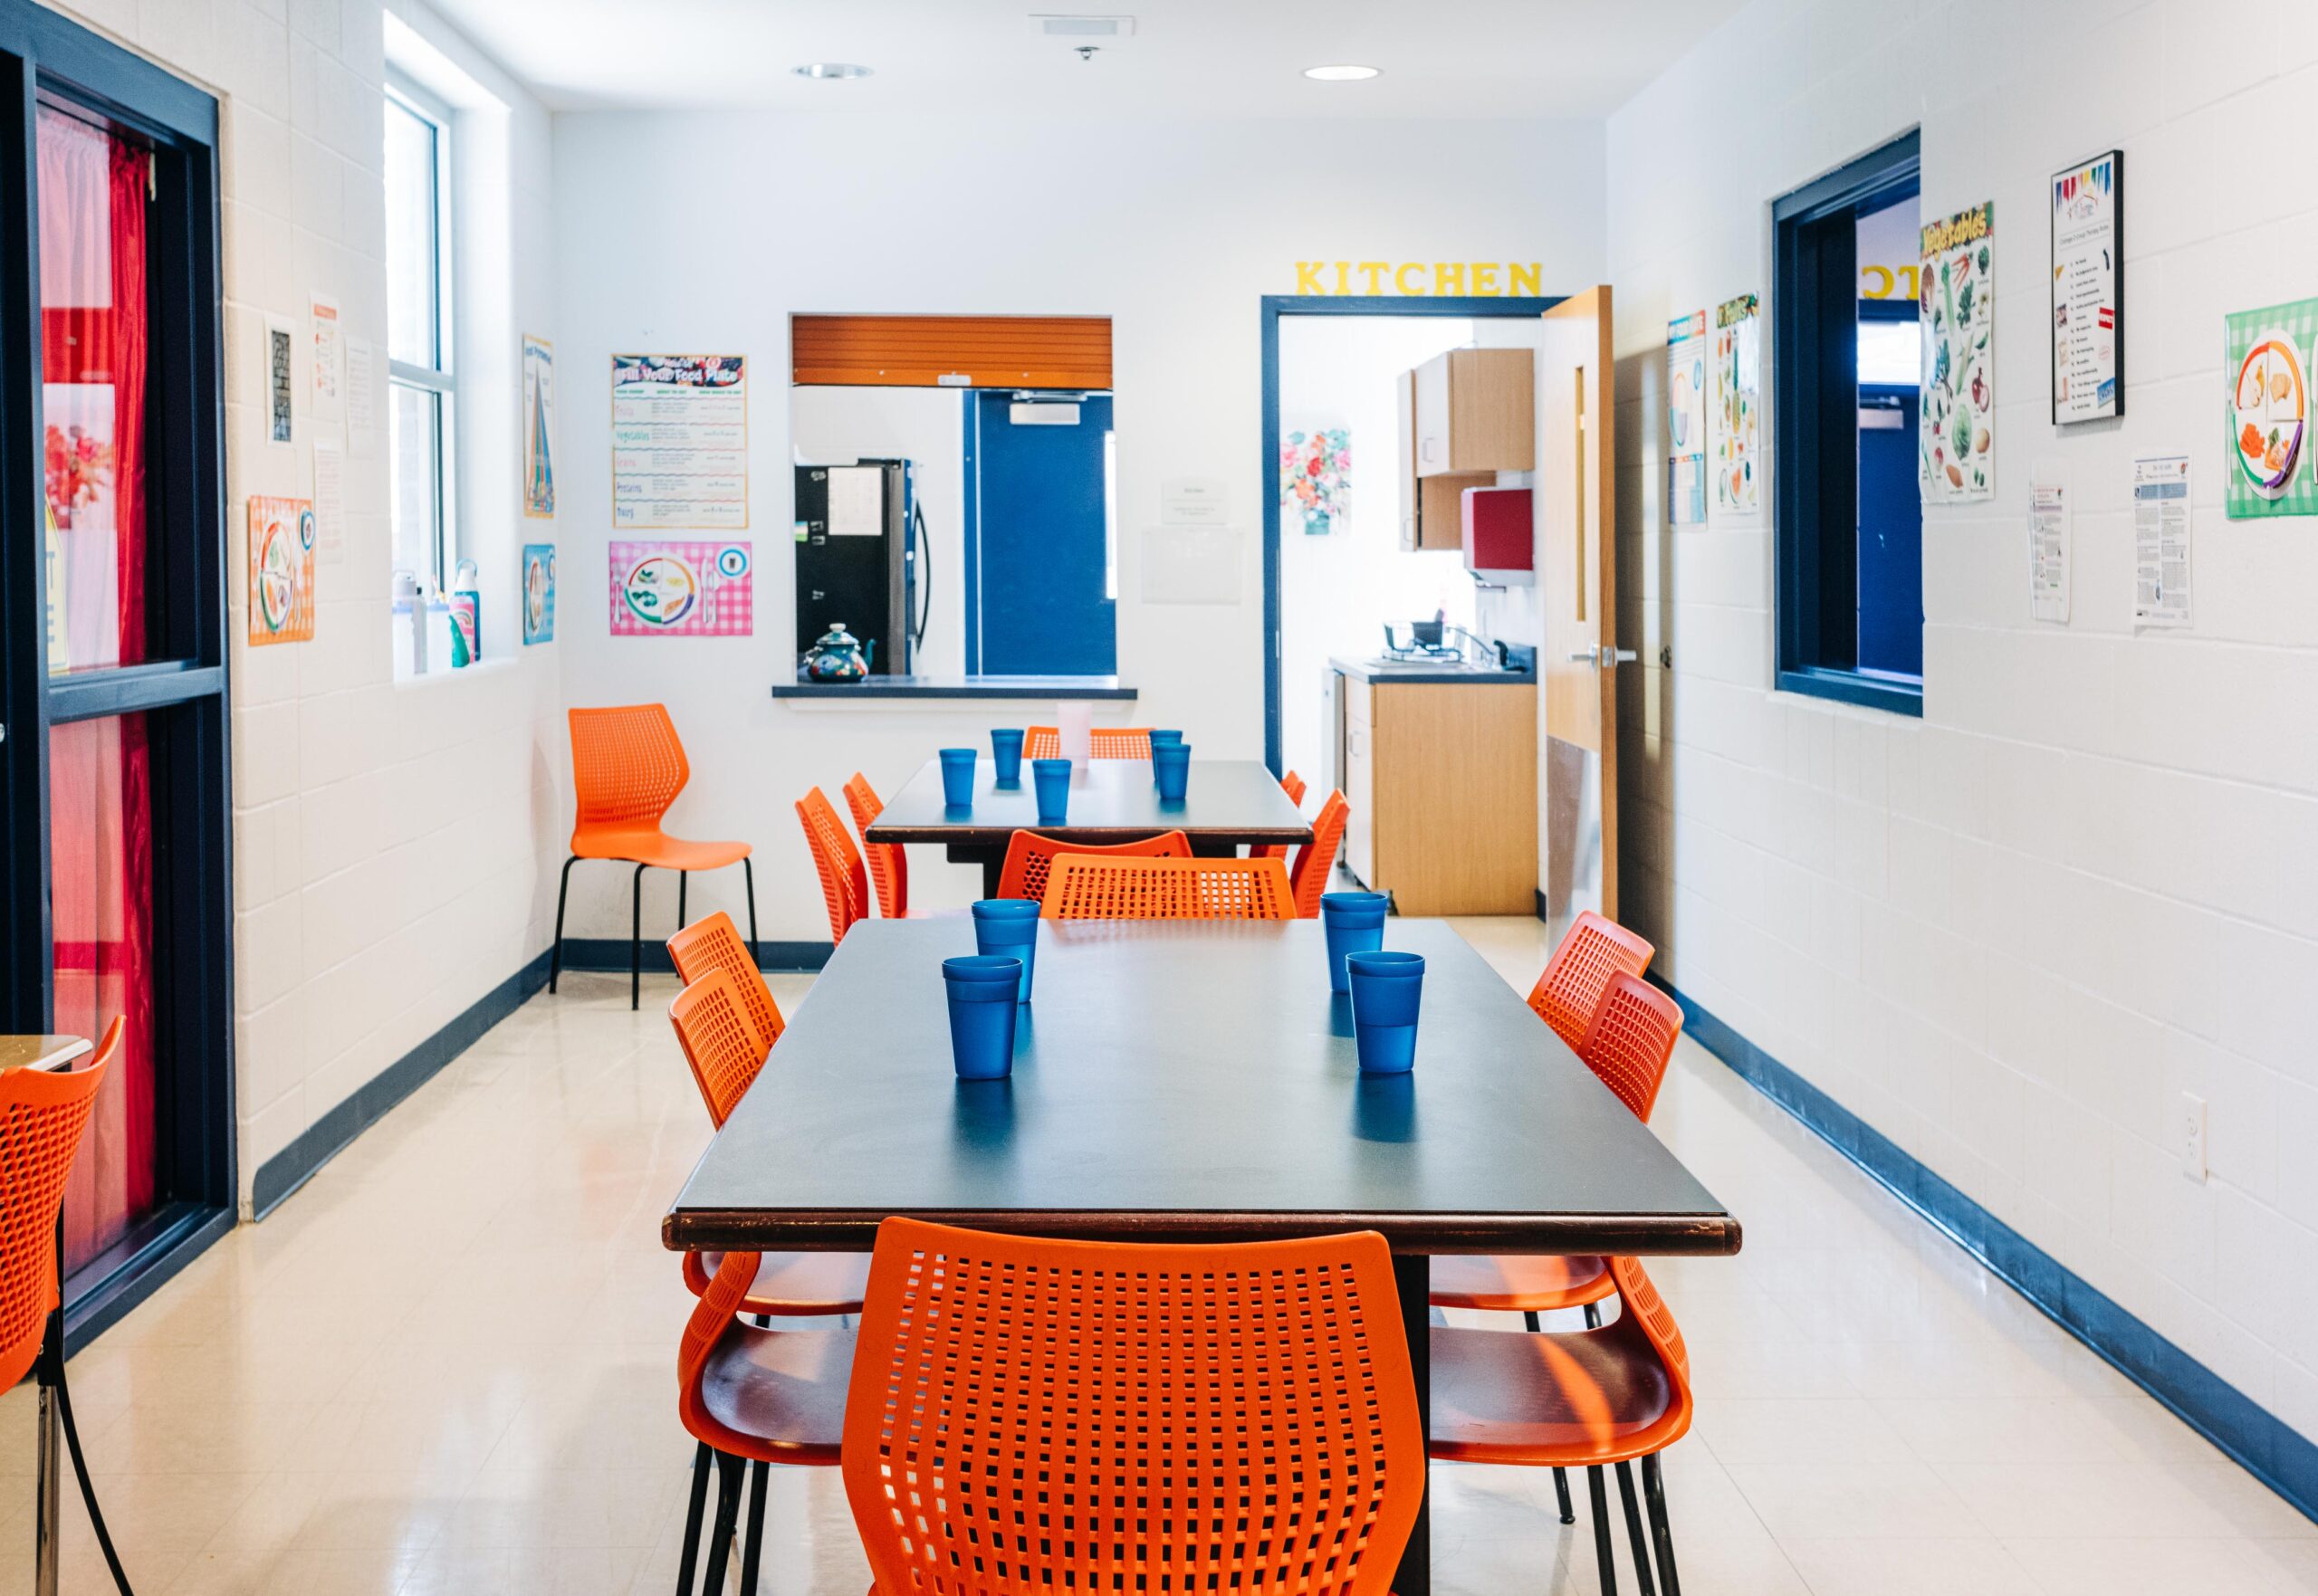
(1738, 406)
(2267, 410)
(1686, 348)
(681, 589)
(1956, 442)
(2088, 290)
(539, 593)
(282, 570)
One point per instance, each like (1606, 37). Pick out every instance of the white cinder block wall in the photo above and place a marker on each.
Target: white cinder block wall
(387, 840)
(2011, 934)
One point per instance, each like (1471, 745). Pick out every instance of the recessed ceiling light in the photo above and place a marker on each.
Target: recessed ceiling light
(1340, 74)
(831, 69)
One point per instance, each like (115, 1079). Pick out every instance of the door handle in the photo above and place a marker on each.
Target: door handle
(1602, 658)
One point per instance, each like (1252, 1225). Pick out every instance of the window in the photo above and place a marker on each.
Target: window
(1850, 512)
(419, 333)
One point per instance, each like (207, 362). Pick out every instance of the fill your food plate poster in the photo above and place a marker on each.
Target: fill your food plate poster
(2267, 361)
(1686, 348)
(680, 442)
(1956, 444)
(663, 589)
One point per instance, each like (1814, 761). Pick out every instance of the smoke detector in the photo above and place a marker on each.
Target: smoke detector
(1082, 31)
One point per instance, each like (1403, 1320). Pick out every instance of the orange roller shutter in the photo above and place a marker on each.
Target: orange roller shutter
(919, 351)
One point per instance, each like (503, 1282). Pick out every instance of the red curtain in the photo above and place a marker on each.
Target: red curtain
(94, 333)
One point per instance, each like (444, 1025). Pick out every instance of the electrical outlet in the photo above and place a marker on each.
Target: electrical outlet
(2190, 1136)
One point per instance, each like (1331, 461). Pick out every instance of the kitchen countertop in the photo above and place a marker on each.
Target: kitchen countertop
(1432, 675)
(959, 687)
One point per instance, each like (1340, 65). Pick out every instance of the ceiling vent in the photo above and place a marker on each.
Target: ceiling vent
(1082, 29)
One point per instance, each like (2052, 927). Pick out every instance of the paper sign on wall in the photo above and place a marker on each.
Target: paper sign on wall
(281, 380)
(1686, 350)
(2049, 532)
(328, 335)
(282, 570)
(329, 499)
(1955, 439)
(361, 395)
(1738, 405)
(1192, 500)
(2161, 540)
(680, 441)
(2088, 291)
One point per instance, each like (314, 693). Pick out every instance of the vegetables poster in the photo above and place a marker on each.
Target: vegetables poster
(1956, 442)
(1738, 402)
(2266, 358)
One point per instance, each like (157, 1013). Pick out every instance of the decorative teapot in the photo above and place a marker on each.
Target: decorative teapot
(837, 656)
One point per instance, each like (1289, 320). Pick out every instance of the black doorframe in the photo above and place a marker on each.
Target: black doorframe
(183, 693)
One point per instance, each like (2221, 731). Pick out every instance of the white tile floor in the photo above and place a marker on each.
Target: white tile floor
(448, 1365)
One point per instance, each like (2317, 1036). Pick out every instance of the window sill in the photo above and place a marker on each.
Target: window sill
(481, 667)
(959, 687)
(1875, 693)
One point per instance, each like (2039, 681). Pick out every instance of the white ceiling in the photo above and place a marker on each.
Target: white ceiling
(1441, 58)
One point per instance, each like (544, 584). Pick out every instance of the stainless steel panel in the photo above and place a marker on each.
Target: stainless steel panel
(1573, 833)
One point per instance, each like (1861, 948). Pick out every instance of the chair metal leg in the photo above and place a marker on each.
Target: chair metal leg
(45, 1559)
(636, 942)
(1654, 1493)
(1592, 1315)
(749, 874)
(683, 880)
(752, 1547)
(728, 1510)
(1561, 1475)
(692, 1513)
(555, 959)
(1634, 1535)
(1599, 1500)
(55, 1414)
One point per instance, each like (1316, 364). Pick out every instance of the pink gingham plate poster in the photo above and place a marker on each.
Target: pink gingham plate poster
(681, 589)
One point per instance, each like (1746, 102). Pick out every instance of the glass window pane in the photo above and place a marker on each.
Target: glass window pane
(1890, 569)
(416, 485)
(412, 255)
(94, 333)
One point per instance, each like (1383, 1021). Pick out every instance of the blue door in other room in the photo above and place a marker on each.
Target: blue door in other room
(1044, 566)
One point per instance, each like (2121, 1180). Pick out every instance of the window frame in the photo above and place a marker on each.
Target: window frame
(440, 379)
(1816, 428)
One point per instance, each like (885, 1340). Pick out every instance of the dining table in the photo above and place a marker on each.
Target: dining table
(1227, 805)
(1190, 1081)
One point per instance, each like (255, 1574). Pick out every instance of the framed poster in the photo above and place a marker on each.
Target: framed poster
(1737, 405)
(1686, 419)
(1956, 437)
(539, 593)
(680, 442)
(1315, 478)
(665, 589)
(2266, 361)
(539, 428)
(2089, 290)
(282, 570)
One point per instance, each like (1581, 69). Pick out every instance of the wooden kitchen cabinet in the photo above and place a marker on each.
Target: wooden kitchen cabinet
(1432, 507)
(1476, 410)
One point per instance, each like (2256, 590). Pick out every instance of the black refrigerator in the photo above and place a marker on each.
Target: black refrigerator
(858, 539)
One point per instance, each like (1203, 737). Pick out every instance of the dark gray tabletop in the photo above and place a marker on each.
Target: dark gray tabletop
(1185, 1081)
(1226, 802)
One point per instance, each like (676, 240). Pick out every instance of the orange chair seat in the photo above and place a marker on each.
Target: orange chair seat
(792, 1283)
(640, 846)
(1520, 1285)
(1568, 1399)
(778, 1395)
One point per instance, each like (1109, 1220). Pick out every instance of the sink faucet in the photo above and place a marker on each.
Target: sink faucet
(1492, 654)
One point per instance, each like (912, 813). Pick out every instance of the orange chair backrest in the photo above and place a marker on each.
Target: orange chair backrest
(42, 1114)
(845, 884)
(888, 861)
(1591, 951)
(1293, 785)
(719, 1040)
(708, 946)
(1031, 855)
(1084, 886)
(627, 766)
(1316, 859)
(1631, 1040)
(1235, 1419)
(1103, 742)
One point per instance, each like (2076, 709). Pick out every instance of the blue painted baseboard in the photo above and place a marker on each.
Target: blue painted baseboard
(2269, 1449)
(612, 953)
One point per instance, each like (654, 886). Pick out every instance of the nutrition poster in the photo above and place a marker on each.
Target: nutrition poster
(680, 442)
(282, 570)
(1738, 405)
(2088, 291)
(2267, 357)
(1686, 419)
(681, 590)
(2048, 542)
(2161, 540)
(1956, 442)
(539, 593)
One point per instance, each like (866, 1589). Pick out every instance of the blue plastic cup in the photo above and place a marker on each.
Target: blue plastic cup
(1171, 767)
(1008, 928)
(958, 778)
(1006, 756)
(1052, 778)
(1353, 923)
(1387, 988)
(1158, 737)
(982, 1014)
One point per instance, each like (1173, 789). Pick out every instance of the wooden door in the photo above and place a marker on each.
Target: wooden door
(1578, 735)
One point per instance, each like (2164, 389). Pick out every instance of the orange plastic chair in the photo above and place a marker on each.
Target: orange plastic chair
(751, 1398)
(1084, 886)
(42, 1116)
(1077, 1415)
(1570, 989)
(1583, 1399)
(1030, 856)
(713, 944)
(1317, 859)
(626, 768)
(888, 863)
(1293, 785)
(845, 883)
(1103, 742)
